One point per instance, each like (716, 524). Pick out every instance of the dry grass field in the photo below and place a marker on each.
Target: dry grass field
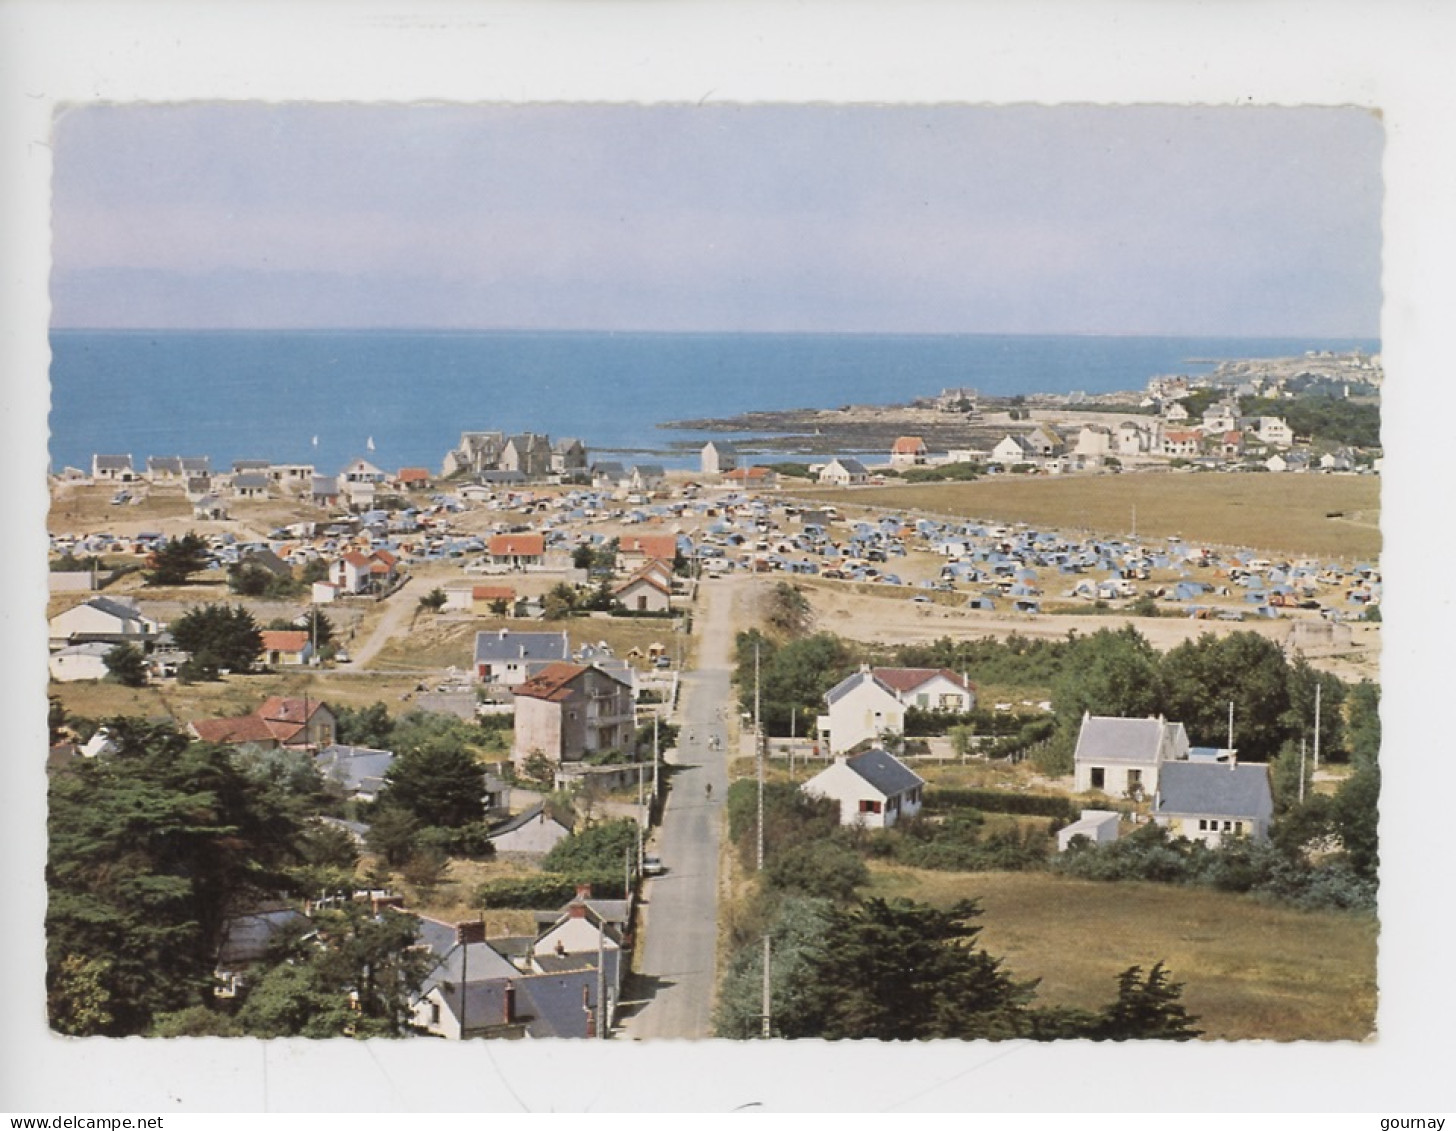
(1280, 514)
(1251, 970)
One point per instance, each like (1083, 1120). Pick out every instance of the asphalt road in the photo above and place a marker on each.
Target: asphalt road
(672, 997)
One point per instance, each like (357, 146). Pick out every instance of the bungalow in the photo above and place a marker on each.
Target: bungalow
(532, 833)
(751, 477)
(246, 942)
(860, 708)
(413, 478)
(107, 620)
(844, 472)
(507, 658)
(1210, 800)
(357, 770)
(177, 468)
(644, 592)
(1013, 450)
(517, 550)
(481, 600)
(250, 485)
(1123, 757)
(908, 451)
(874, 789)
(290, 724)
(114, 469)
(718, 456)
(1046, 441)
(608, 475)
(323, 491)
(636, 550)
(289, 476)
(286, 647)
(80, 661)
(567, 711)
(930, 689)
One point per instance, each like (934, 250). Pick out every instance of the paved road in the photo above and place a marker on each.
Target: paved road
(680, 921)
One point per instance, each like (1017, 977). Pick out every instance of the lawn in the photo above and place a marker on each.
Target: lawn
(1251, 970)
(1283, 514)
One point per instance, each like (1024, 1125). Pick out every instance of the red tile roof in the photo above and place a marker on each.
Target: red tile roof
(518, 545)
(662, 546)
(413, 475)
(284, 640)
(908, 445)
(552, 683)
(492, 593)
(908, 679)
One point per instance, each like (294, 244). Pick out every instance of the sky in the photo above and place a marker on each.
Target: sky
(932, 219)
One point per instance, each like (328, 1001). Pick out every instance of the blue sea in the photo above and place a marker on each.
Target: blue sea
(323, 397)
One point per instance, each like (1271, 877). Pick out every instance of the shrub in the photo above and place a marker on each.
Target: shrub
(543, 891)
(824, 869)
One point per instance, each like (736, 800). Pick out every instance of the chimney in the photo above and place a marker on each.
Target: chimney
(583, 891)
(577, 910)
(508, 1004)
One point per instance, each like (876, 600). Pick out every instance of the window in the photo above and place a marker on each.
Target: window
(434, 1013)
(1134, 779)
(1239, 827)
(922, 700)
(1202, 825)
(866, 806)
(1099, 776)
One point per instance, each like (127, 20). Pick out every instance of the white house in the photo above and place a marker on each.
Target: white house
(510, 658)
(532, 833)
(110, 620)
(1121, 756)
(1013, 450)
(844, 472)
(930, 689)
(1094, 440)
(874, 789)
(80, 661)
(860, 708)
(1209, 800)
(644, 592)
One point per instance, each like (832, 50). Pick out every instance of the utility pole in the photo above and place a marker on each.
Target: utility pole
(1231, 727)
(655, 717)
(1301, 771)
(641, 818)
(1318, 687)
(758, 744)
(767, 1030)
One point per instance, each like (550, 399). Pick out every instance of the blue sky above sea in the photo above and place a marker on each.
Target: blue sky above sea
(937, 219)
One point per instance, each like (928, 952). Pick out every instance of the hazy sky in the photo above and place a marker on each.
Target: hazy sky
(947, 219)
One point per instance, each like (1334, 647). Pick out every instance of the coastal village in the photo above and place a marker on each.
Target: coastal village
(571, 624)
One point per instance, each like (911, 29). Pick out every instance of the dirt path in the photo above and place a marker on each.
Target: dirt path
(398, 608)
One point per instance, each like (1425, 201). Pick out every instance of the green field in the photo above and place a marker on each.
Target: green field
(1251, 970)
(1282, 514)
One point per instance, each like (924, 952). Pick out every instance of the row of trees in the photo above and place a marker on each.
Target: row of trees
(218, 638)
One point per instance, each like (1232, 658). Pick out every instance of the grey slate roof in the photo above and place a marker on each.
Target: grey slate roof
(534, 647)
(884, 771)
(356, 768)
(246, 938)
(850, 682)
(520, 820)
(1210, 789)
(1105, 739)
(852, 466)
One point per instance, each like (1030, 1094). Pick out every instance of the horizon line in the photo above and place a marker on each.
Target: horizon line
(640, 331)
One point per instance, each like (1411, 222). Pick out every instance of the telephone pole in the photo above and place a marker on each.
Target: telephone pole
(767, 1030)
(758, 750)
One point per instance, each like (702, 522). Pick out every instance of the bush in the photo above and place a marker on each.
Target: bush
(544, 891)
(824, 869)
(939, 798)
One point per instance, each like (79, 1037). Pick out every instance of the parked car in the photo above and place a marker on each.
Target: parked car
(652, 866)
